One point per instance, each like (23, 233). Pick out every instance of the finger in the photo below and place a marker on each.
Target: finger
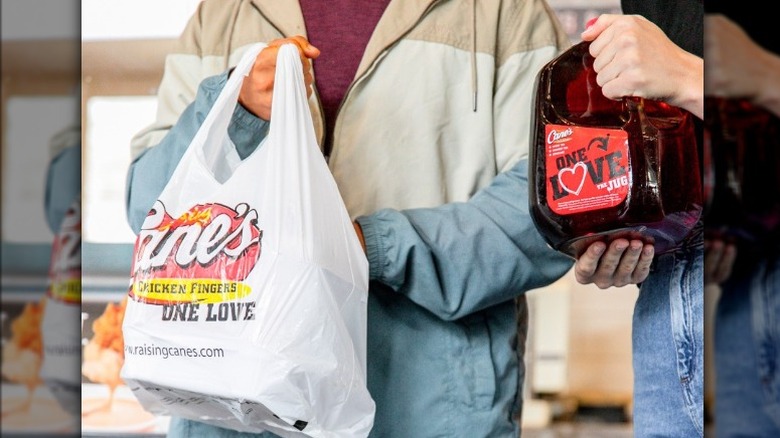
(263, 70)
(588, 262)
(267, 58)
(609, 73)
(604, 49)
(270, 53)
(281, 41)
(306, 48)
(298, 42)
(278, 42)
(625, 270)
(605, 63)
(307, 53)
(597, 27)
(603, 58)
(622, 33)
(621, 87)
(643, 265)
(306, 69)
(611, 259)
(604, 41)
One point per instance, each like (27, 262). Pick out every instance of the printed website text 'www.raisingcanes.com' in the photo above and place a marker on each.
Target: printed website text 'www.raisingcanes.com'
(166, 352)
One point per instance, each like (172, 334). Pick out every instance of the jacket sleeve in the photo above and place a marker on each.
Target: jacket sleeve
(463, 257)
(150, 172)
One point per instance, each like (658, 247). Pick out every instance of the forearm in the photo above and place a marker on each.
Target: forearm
(463, 257)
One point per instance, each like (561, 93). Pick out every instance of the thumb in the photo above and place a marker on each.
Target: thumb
(311, 52)
(306, 48)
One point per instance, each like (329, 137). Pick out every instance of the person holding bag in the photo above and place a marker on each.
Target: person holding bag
(431, 165)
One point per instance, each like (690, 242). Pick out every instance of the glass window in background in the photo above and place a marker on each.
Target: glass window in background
(573, 14)
(106, 160)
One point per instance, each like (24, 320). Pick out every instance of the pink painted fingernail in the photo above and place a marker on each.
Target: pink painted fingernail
(590, 22)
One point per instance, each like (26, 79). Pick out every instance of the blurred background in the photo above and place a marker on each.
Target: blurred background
(40, 125)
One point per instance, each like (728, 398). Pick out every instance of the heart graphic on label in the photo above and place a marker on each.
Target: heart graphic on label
(568, 177)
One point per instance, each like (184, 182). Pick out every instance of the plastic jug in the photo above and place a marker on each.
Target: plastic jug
(603, 169)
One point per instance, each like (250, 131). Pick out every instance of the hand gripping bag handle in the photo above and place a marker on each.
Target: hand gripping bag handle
(211, 144)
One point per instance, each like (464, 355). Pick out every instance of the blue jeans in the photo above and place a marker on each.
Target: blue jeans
(747, 353)
(668, 347)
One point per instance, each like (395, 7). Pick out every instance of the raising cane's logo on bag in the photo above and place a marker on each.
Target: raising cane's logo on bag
(587, 168)
(202, 256)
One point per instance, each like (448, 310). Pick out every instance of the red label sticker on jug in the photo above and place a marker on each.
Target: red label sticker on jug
(586, 168)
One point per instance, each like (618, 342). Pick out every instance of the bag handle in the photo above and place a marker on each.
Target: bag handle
(290, 104)
(211, 143)
(291, 158)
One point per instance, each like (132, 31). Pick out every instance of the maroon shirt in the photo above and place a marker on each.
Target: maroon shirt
(341, 30)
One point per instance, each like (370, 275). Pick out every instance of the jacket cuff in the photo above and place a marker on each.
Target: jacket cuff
(375, 251)
(246, 131)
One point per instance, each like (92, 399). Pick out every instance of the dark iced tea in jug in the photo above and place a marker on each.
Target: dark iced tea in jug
(603, 169)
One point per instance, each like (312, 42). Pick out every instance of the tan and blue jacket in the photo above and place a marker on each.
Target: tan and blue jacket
(428, 154)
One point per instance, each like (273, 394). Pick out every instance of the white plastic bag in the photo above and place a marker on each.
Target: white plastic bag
(249, 287)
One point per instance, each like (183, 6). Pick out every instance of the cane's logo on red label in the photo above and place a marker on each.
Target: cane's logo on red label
(586, 168)
(202, 256)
